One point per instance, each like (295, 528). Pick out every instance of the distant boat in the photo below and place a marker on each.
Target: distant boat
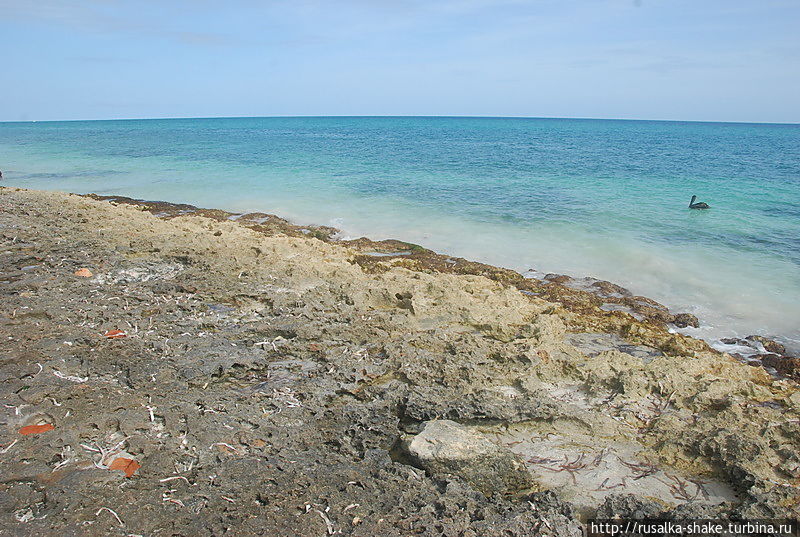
(699, 204)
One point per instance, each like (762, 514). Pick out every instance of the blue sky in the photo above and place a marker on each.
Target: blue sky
(726, 60)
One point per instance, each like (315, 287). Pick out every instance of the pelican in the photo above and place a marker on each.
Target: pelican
(698, 205)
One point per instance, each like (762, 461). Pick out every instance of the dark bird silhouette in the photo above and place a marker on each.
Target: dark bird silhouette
(699, 204)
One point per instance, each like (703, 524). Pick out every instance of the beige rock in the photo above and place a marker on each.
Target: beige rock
(445, 447)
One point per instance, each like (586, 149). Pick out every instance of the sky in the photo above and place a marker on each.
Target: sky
(708, 60)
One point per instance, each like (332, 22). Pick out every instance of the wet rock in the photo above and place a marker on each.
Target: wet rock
(682, 320)
(784, 365)
(557, 278)
(610, 289)
(769, 344)
(445, 447)
(736, 341)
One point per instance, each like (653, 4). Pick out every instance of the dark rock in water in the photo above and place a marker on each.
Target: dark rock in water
(682, 320)
(735, 341)
(784, 365)
(607, 288)
(557, 278)
(769, 344)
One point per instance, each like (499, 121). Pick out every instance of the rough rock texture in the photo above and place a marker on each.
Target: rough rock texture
(444, 447)
(265, 377)
(768, 353)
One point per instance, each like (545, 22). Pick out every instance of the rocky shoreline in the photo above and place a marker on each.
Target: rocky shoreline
(584, 296)
(169, 370)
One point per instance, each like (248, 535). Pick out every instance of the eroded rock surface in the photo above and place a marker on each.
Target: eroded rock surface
(263, 377)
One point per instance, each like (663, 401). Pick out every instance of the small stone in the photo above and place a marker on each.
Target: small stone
(83, 273)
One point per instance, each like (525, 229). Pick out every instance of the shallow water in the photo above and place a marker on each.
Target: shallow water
(582, 197)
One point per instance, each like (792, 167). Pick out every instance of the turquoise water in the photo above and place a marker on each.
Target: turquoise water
(583, 197)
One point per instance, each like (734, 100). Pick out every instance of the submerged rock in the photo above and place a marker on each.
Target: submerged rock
(682, 320)
(445, 447)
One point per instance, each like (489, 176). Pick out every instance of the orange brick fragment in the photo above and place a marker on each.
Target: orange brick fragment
(115, 334)
(129, 466)
(36, 429)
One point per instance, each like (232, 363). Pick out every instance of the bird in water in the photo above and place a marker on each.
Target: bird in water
(699, 204)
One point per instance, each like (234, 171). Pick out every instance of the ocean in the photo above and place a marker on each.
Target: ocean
(601, 198)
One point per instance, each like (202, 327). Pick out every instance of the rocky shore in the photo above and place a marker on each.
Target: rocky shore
(168, 370)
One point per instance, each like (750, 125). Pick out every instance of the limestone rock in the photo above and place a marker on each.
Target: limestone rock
(445, 447)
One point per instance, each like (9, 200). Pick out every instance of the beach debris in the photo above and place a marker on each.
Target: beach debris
(36, 429)
(115, 334)
(173, 478)
(286, 397)
(328, 523)
(224, 447)
(124, 464)
(573, 466)
(113, 513)
(604, 485)
(680, 488)
(106, 453)
(71, 378)
(642, 469)
(24, 515)
(83, 273)
(542, 460)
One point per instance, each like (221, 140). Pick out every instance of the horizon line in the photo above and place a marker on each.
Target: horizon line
(287, 116)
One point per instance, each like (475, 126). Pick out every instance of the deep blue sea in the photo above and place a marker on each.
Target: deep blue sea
(595, 198)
